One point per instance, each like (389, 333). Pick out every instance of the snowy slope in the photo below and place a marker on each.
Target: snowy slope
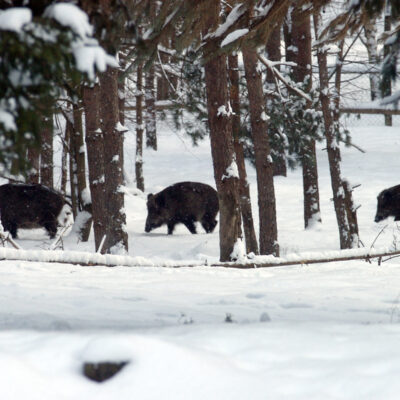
(302, 332)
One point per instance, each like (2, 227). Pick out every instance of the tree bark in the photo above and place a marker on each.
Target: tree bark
(150, 98)
(64, 162)
(222, 150)
(273, 53)
(73, 181)
(34, 160)
(139, 130)
(84, 217)
(244, 188)
(386, 84)
(334, 157)
(150, 115)
(117, 237)
(46, 153)
(263, 160)
(95, 153)
(301, 43)
(373, 58)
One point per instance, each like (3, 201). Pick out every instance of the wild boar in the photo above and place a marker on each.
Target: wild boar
(388, 204)
(31, 206)
(183, 202)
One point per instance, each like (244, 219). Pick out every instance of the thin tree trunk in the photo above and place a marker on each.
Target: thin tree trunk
(244, 188)
(301, 43)
(73, 181)
(150, 115)
(263, 159)
(222, 150)
(386, 84)
(121, 103)
(64, 161)
(117, 237)
(150, 98)
(333, 149)
(95, 154)
(273, 53)
(139, 130)
(46, 153)
(373, 58)
(84, 218)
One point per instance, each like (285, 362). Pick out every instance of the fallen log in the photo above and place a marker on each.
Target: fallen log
(109, 260)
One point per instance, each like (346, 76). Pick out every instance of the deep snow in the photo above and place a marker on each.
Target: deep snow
(302, 332)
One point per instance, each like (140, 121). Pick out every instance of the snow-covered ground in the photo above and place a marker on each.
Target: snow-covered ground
(323, 331)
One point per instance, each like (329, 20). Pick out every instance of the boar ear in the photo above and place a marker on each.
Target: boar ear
(160, 201)
(150, 196)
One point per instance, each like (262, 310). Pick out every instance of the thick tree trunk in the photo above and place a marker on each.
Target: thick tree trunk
(117, 237)
(263, 159)
(273, 53)
(95, 154)
(84, 217)
(46, 153)
(334, 157)
(34, 160)
(244, 188)
(139, 130)
(223, 154)
(301, 43)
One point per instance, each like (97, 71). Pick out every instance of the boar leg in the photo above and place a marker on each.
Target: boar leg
(189, 223)
(171, 227)
(10, 227)
(51, 228)
(208, 223)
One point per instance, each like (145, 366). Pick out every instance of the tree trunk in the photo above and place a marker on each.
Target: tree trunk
(117, 237)
(46, 153)
(244, 188)
(223, 155)
(162, 80)
(84, 217)
(386, 84)
(273, 53)
(64, 162)
(373, 58)
(150, 115)
(139, 130)
(301, 43)
(73, 181)
(333, 149)
(95, 154)
(150, 98)
(34, 160)
(121, 103)
(263, 160)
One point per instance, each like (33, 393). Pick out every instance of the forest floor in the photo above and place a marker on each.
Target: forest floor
(301, 332)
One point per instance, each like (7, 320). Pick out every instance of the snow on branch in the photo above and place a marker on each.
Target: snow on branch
(231, 19)
(110, 260)
(270, 65)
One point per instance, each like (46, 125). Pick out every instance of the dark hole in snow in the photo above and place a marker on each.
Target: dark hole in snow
(102, 371)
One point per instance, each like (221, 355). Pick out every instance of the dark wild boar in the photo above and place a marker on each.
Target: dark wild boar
(31, 206)
(388, 204)
(183, 202)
